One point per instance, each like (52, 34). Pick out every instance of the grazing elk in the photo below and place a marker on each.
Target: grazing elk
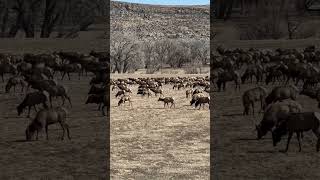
(124, 99)
(280, 93)
(31, 100)
(274, 113)
(167, 100)
(195, 97)
(202, 101)
(189, 92)
(58, 91)
(70, 68)
(157, 91)
(13, 82)
(7, 68)
(297, 123)
(46, 117)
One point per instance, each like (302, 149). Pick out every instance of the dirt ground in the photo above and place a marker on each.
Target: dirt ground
(150, 142)
(237, 153)
(82, 157)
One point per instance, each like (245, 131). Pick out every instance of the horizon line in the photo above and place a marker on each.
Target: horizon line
(162, 4)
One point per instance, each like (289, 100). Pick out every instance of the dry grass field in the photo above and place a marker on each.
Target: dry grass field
(150, 142)
(237, 153)
(82, 157)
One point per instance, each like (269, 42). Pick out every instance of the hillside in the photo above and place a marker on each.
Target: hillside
(159, 22)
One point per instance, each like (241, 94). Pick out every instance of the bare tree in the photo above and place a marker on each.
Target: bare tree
(151, 63)
(123, 52)
(292, 25)
(51, 18)
(267, 21)
(46, 16)
(4, 9)
(161, 49)
(178, 54)
(84, 14)
(199, 53)
(223, 8)
(26, 17)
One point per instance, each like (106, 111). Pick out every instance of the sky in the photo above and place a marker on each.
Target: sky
(169, 2)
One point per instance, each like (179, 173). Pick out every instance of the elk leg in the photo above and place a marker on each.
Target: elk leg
(47, 132)
(68, 75)
(14, 88)
(35, 109)
(289, 138)
(37, 135)
(102, 109)
(29, 111)
(298, 137)
(62, 126)
(244, 111)
(69, 100)
(99, 107)
(252, 105)
(63, 100)
(50, 99)
(317, 133)
(64, 73)
(318, 144)
(66, 126)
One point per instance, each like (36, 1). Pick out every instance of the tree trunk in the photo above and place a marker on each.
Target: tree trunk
(4, 22)
(65, 12)
(29, 16)
(228, 9)
(15, 27)
(28, 28)
(223, 8)
(50, 19)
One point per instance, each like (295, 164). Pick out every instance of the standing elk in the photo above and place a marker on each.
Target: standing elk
(250, 96)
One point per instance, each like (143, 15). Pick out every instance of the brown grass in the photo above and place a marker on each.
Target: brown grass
(150, 142)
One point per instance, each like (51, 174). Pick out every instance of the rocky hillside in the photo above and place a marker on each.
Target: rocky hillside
(159, 22)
